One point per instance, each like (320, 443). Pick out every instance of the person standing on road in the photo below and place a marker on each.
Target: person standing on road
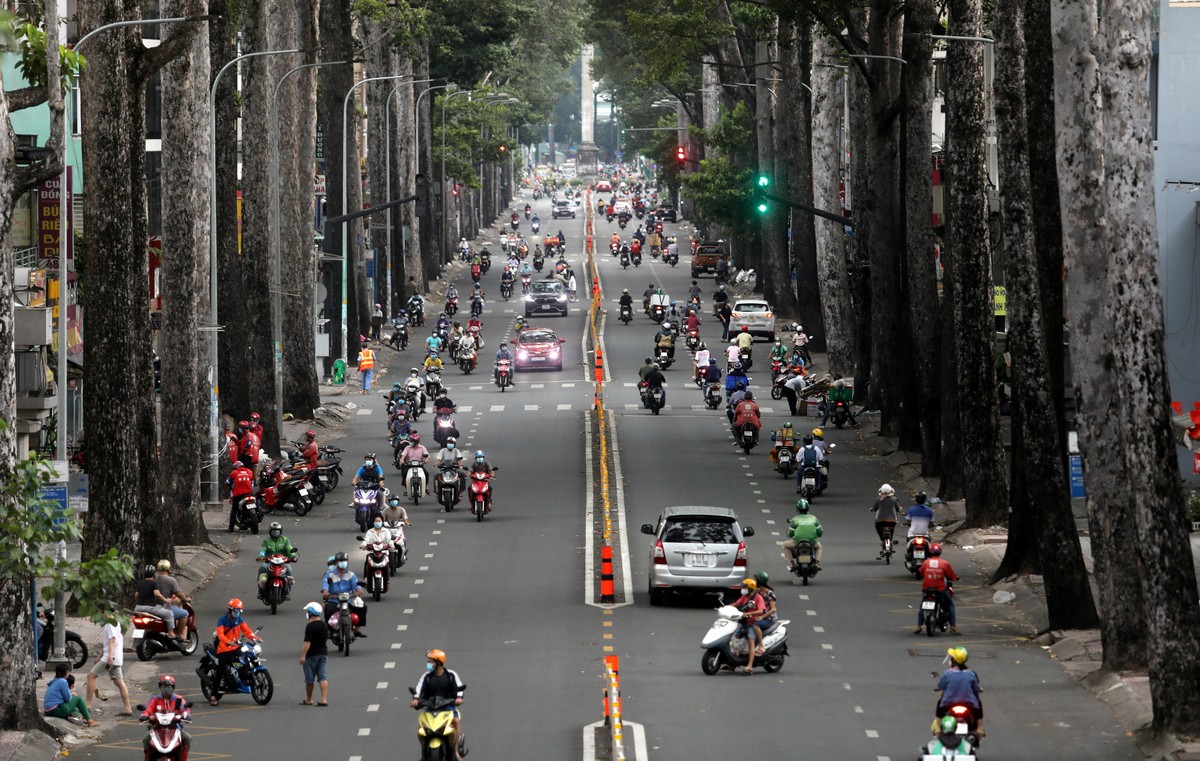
(725, 316)
(376, 322)
(314, 655)
(366, 366)
(109, 662)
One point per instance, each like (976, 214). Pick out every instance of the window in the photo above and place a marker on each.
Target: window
(700, 530)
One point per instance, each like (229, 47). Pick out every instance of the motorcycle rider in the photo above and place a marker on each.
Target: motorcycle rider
(710, 374)
(665, 339)
(936, 575)
(947, 739)
(241, 485)
(747, 413)
(744, 340)
(414, 383)
(450, 454)
(720, 297)
(377, 533)
(800, 343)
(433, 363)
(414, 451)
(166, 701)
(169, 593)
(839, 393)
(440, 682)
(275, 544)
(507, 277)
(464, 248)
(646, 294)
(502, 353)
(342, 579)
(753, 608)
(918, 516)
(809, 456)
(626, 300)
(736, 397)
(370, 471)
(783, 437)
(401, 430)
(481, 465)
(615, 240)
(451, 292)
(655, 379)
(778, 351)
(310, 451)
(887, 511)
(646, 367)
(443, 401)
(249, 446)
(803, 527)
(732, 356)
(692, 321)
(526, 269)
(769, 600)
(231, 628)
(673, 314)
(959, 685)
(395, 513)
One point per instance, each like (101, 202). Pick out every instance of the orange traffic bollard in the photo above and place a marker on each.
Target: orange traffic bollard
(607, 591)
(599, 366)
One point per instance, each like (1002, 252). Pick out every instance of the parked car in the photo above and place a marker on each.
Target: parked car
(755, 314)
(563, 208)
(546, 296)
(697, 549)
(666, 212)
(539, 347)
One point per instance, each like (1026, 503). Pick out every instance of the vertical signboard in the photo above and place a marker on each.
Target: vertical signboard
(49, 224)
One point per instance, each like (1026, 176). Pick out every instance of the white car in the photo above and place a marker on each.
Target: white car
(756, 315)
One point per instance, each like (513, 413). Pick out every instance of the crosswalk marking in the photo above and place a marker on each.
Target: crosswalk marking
(537, 385)
(465, 408)
(562, 407)
(496, 408)
(474, 388)
(632, 406)
(531, 408)
(568, 385)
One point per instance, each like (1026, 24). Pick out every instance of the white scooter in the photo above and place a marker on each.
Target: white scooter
(723, 648)
(415, 478)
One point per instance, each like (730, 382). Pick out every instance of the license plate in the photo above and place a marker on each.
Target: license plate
(139, 633)
(804, 559)
(919, 554)
(537, 359)
(810, 482)
(928, 605)
(304, 491)
(693, 560)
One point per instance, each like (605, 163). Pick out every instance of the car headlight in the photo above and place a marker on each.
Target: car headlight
(554, 351)
(522, 355)
(560, 297)
(529, 298)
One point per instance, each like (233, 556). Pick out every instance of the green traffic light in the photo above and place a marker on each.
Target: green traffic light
(762, 208)
(763, 181)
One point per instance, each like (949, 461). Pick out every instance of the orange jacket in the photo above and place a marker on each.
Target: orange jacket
(228, 636)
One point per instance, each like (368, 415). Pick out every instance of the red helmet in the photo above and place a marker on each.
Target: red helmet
(255, 416)
(310, 434)
(235, 604)
(166, 679)
(243, 424)
(935, 549)
(746, 328)
(416, 438)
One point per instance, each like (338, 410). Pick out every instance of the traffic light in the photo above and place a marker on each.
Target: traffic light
(503, 148)
(681, 155)
(762, 182)
(762, 207)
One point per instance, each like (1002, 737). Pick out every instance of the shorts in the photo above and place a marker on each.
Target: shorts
(101, 668)
(747, 631)
(315, 669)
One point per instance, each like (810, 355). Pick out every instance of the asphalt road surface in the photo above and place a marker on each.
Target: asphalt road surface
(505, 598)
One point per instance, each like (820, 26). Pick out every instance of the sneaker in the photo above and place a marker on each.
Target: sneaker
(918, 630)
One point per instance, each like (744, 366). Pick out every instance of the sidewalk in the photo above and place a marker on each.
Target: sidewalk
(1127, 694)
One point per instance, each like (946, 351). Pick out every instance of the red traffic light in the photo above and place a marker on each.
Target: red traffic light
(454, 190)
(503, 148)
(681, 154)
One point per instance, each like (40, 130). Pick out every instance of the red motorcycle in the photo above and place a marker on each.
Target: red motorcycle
(288, 490)
(481, 493)
(451, 306)
(693, 338)
(276, 589)
(150, 635)
(475, 272)
(504, 374)
(166, 735)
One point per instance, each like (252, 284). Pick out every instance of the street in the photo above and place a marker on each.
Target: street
(505, 598)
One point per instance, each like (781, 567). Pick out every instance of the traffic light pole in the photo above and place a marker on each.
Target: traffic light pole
(847, 221)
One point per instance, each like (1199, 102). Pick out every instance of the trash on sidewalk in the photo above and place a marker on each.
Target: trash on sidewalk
(1002, 597)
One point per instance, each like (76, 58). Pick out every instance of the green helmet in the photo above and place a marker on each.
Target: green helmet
(788, 425)
(762, 578)
(802, 506)
(949, 724)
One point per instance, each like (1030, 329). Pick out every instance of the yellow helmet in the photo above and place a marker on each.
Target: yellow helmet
(958, 655)
(818, 433)
(436, 655)
(750, 584)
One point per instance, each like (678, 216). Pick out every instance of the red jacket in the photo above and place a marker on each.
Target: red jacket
(693, 322)
(250, 445)
(310, 453)
(935, 572)
(241, 481)
(747, 412)
(233, 447)
(159, 704)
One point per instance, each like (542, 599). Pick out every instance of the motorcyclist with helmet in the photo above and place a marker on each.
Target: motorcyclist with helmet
(735, 398)
(937, 575)
(276, 544)
(748, 413)
(709, 374)
(450, 454)
(415, 451)
(753, 608)
(166, 701)
(809, 456)
(481, 465)
(342, 579)
(779, 352)
(241, 486)
(769, 600)
(376, 534)
(443, 401)
(414, 383)
(502, 353)
(433, 363)
(959, 685)
(370, 472)
(309, 450)
(653, 378)
(887, 512)
(440, 682)
(803, 527)
(839, 393)
(231, 628)
(783, 437)
(665, 339)
(919, 516)
(626, 300)
(735, 379)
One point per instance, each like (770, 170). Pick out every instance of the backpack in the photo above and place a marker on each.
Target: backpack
(809, 456)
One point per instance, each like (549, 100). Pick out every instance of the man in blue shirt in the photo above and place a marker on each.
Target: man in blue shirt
(342, 579)
(371, 472)
(918, 517)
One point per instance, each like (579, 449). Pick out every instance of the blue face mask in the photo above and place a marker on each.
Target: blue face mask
(235, 614)
(429, 666)
(342, 564)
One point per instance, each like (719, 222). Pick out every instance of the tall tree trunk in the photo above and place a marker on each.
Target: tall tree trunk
(1080, 162)
(777, 276)
(404, 171)
(186, 174)
(970, 269)
(358, 314)
(1041, 525)
(297, 136)
(924, 310)
(124, 479)
(797, 162)
(866, 392)
(335, 81)
(380, 62)
(1149, 449)
(838, 315)
(435, 247)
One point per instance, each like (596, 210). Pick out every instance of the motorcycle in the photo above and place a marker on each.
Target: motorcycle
(693, 339)
(467, 359)
(967, 723)
(366, 501)
(840, 415)
(887, 547)
(808, 482)
(248, 514)
(433, 383)
(399, 339)
(915, 554)
(535, 226)
(745, 356)
(412, 400)
(435, 729)
(671, 259)
(288, 491)
(515, 222)
(525, 280)
(658, 312)
(712, 395)
(485, 261)
(274, 589)
(379, 568)
(652, 398)
(778, 385)
(723, 648)
(476, 307)
(341, 622)
(166, 734)
(539, 261)
(328, 471)
(624, 260)
(785, 461)
(747, 437)
(506, 289)
(398, 549)
(503, 374)
(481, 492)
(451, 306)
(626, 314)
(636, 258)
(804, 565)
(150, 635)
(414, 479)
(936, 615)
(527, 211)
(448, 486)
(443, 427)
(76, 651)
(416, 310)
(662, 355)
(248, 674)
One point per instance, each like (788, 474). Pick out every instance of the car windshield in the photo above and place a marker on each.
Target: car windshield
(563, 203)
(545, 287)
(751, 307)
(538, 337)
(700, 530)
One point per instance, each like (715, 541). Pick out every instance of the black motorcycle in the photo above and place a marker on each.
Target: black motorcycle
(248, 514)
(76, 651)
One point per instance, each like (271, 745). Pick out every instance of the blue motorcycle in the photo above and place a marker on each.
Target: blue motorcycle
(247, 675)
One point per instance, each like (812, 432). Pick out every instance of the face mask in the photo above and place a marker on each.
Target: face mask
(235, 614)
(378, 524)
(276, 534)
(342, 564)
(167, 693)
(746, 592)
(430, 666)
(367, 463)
(449, 446)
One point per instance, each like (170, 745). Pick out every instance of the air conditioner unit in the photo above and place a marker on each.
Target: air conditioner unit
(32, 326)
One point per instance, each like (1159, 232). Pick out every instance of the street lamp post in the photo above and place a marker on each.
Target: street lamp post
(276, 267)
(387, 152)
(213, 353)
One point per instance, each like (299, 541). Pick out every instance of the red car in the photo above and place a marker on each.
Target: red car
(539, 347)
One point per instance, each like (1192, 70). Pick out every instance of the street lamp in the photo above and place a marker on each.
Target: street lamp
(214, 396)
(276, 267)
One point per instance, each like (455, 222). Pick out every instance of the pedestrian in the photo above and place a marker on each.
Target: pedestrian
(366, 366)
(110, 661)
(314, 655)
(377, 322)
(725, 315)
(60, 703)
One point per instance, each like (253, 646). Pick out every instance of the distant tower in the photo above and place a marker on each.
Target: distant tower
(587, 163)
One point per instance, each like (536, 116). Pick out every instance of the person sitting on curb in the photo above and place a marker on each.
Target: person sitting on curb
(60, 703)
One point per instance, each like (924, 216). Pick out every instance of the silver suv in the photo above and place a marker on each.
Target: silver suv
(696, 549)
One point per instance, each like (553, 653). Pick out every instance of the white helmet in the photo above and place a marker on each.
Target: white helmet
(887, 490)
(666, 324)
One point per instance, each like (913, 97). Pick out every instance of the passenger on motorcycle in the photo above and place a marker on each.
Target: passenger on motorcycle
(918, 517)
(166, 701)
(503, 353)
(753, 609)
(342, 579)
(803, 527)
(665, 339)
(655, 379)
(839, 393)
(887, 512)
(733, 356)
(231, 628)
(650, 291)
(937, 575)
(440, 682)
(769, 600)
(747, 413)
(275, 544)
(783, 437)
(959, 685)
(414, 451)
(241, 485)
